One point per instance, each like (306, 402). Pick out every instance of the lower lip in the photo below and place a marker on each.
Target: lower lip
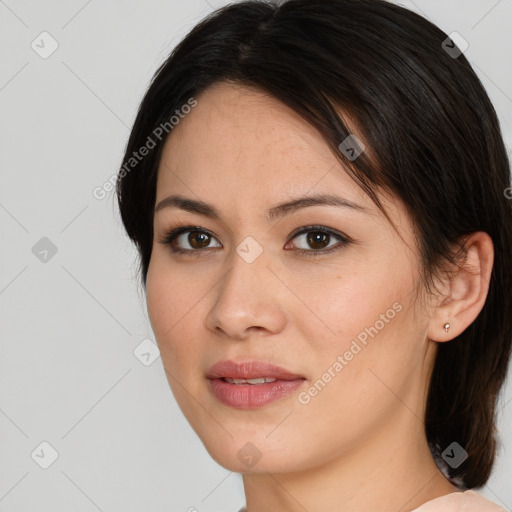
(252, 396)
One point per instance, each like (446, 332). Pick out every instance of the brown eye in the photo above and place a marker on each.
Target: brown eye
(198, 239)
(315, 240)
(318, 239)
(189, 239)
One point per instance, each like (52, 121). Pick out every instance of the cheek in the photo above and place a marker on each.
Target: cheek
(369, 333)
(171, 302)
(352, 303)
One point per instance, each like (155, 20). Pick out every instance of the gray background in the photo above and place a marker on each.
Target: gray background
(70, 324)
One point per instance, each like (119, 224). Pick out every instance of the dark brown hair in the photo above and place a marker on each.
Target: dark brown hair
(435, 142)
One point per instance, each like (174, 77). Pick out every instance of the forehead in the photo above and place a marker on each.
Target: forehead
(241, 138)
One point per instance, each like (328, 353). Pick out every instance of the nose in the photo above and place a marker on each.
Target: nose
(249, 299)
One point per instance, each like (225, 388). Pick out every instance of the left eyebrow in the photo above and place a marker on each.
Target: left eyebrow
(315, 200)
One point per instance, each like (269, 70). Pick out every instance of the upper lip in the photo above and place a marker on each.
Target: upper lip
(250, 370)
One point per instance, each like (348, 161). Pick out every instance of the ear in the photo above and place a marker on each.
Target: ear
(463, 295)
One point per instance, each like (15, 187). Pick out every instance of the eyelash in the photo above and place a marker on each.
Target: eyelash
(172, 234)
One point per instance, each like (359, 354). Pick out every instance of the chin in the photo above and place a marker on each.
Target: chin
(255, 454)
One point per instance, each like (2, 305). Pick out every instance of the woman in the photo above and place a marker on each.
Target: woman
(317, 193)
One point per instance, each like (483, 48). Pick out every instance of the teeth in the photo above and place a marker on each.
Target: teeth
(259, 380)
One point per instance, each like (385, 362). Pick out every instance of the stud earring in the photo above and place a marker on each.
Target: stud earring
(446, 327)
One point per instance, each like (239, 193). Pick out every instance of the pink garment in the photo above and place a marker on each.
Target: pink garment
(467, 501)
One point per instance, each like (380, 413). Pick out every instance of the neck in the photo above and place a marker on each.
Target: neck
(392, 470)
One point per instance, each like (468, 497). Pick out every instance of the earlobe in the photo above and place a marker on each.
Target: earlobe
(466, 291)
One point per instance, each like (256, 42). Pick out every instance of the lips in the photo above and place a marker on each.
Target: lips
(251, 384)
(250, 370)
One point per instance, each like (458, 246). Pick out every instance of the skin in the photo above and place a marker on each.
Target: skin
(359, 444)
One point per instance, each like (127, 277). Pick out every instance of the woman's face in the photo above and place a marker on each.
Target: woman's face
(326, 292)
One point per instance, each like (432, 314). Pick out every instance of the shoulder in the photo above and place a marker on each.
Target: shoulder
(467, 501)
